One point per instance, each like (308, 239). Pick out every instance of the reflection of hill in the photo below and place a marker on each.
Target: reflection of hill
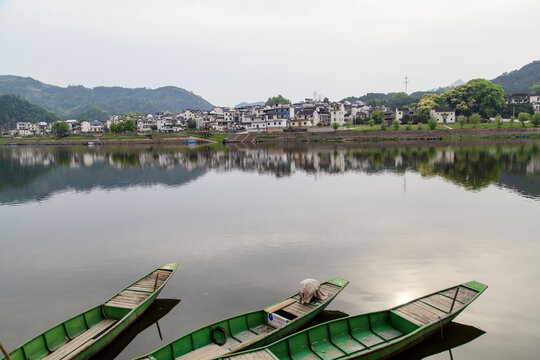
(102, 176)
(528, 186)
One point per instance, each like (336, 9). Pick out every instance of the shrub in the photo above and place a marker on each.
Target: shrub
(461, 120)
(432, 123)
(383, 126)
(395, 124)
(523, 118)
(536, 119)
(475, 119)
(498, 121)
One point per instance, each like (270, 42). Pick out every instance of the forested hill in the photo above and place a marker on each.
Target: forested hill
(100, 102)
(14, 109)
(520, 81)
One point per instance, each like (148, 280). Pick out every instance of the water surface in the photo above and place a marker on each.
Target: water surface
(247, 224)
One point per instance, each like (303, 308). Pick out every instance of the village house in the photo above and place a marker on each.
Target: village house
(535, 102)
(443, 115)
(337, 113)
(403, 115)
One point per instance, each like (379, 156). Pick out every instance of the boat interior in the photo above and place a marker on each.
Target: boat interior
(343, 337)
(240, 331)
(67, 339)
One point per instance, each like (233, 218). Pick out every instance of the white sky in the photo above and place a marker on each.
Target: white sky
(234, 51)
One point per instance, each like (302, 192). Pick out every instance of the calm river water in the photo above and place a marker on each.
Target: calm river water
(247, 224)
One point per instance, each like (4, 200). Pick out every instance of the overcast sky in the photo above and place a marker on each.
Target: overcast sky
(234, 51)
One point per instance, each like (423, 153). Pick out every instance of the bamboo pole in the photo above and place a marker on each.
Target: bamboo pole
(4, 351)
(454, 300)
(155, 284)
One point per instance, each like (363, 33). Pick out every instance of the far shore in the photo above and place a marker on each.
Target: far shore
(322, 136)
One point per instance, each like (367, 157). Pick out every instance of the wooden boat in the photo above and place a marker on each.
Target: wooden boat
(247, 331)
(84, 335)
(377, 335)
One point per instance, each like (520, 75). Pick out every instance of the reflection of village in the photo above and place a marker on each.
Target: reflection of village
(283, 162)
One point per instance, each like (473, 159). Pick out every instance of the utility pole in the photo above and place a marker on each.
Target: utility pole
(406, 82)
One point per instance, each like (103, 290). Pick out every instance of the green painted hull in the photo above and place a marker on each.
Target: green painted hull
(238, 325)
(378, 335)
(51, 340)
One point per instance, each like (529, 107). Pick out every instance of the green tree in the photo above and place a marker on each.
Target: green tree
(326, 100)
(475, 119)
(498, 121)
(512, 119)
(523, 118)
(335, 126)
(476, 96)
(432, 123)
(383, 126)
(60, 129)
(395, 124)
(129, 125)
(535, 119)
(461, 120)
(371, 122)
(428, 102)
(535, 89)
(377, 116)
(277, 100)
(192, 124)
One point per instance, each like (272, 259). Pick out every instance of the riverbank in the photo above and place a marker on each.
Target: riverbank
(329, 136)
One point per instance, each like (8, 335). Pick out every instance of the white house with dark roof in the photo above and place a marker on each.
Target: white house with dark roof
(443, 115)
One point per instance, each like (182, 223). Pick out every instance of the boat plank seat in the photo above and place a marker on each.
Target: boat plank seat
(279, 306)
(298, 309)
(464, 294)
(262, 329)
(148, 282)
(244, 342)
(330, 289)
(442, 302)
(207, 352)
(128, 299)
(69, 350)
(422, 313)
(257, 355)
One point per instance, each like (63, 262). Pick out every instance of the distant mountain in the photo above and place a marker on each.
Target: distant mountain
(258, 103)
(100, 102)
(444, 88)
(520, 81)
(14, 109)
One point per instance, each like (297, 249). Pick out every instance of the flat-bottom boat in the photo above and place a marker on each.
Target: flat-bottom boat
(248, 331)
(377, 335)
(84, 335)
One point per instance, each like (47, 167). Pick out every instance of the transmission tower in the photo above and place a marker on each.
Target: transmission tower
(406, 82)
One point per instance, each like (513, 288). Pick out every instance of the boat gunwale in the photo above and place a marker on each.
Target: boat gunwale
(101, 307)
(321, 306)
(387, 343)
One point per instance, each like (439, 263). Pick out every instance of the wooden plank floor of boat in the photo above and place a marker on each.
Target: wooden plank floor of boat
(133, 296)
(256, 355)
(69, 350)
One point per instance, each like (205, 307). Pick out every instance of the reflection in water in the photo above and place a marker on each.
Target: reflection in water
(452, 336)
(156, 311)
(35, 173)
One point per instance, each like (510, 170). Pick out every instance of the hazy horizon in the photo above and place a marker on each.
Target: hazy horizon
(245, 51)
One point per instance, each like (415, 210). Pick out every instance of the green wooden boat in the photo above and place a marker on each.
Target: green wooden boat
(247, 331)
(377, 335)
(84, 335)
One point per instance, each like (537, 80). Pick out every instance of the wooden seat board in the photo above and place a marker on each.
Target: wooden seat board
(243, 343)
(280, 305)
(330, 289)
(464, 294)
(69, 349)
(128, 298)
(207, 352)
(263, 329)
(298, 309)
(257, 355)
(442, 302)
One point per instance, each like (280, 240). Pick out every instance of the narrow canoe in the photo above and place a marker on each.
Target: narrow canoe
(86, 334)
(247, 331)
(377, 335)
